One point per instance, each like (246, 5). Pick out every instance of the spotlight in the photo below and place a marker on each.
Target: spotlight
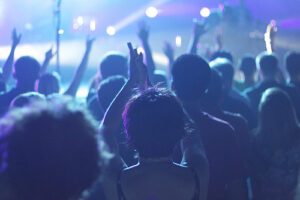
(178, 41)
(80, 21)
(205, 12)
(151, 12)
(141, 50)
(111, 30)
(28, 26)
(61, 31)
(92, 25)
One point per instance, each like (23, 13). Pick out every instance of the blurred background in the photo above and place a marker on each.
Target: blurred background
(240, 24)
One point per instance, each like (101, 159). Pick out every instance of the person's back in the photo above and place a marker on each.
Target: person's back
(26, 73)
(275, 160)
(149, 180)
(191, 77)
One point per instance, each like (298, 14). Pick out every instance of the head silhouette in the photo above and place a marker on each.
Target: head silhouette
(26, 71)
(26, 99)
(278, 123)
(214, 94)
(49, 83)
(292, 63)
(109, 89)
(114, 64)
(191, 77)
(154, 122)
(267, 65)
(222, 54)
(225, 67)
(248, 67)
(51, 151)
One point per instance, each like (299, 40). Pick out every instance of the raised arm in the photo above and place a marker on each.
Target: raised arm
(169, 53)
(113, 117)
(73, 88)
(270, 35)
(8, 65)
(143, 34)
(199, 30)
(48, 56)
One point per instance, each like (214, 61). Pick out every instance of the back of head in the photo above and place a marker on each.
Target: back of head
(26, 99)
(225, 67)
(114, 64)
(222, 54)
(27, 70)
(248, 66)
(154, 122)
(51, 151)
(49, 84)
(214, 93)
(108, 90)
(292, 63)
(191, 77)
(268, 65)
(277, 118)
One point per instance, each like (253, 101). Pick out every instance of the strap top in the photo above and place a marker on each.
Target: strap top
(196, 195)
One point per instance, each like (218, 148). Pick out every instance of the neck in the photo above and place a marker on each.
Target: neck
(151, 161)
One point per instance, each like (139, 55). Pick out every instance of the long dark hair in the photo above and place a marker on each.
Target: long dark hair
(278, 124)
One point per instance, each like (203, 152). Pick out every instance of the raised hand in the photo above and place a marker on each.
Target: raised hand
(199, 28)
(89, 42)
(16, 38)
(270, 35)
(137, 69)
(49, 54)
(168, 50)
(143, 32)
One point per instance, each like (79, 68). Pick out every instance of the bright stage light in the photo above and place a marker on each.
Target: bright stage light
(205, 12)
(151, 12)
(111, 30)
(80, 21)
(178, 41)
(28, 26)
(92, 25)
(61, 31)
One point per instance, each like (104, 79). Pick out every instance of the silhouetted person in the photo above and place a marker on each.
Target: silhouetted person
(248, 68)
(191, 77)
(268, 71)
(155, 123)
(275, 159)
(292, 64)
(49, 83)
(26, 99)
(211, 103)
(49, 151)
(232, 100)
(26, 72)
(112, 64)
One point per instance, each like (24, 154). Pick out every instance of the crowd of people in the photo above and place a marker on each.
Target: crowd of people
(194, 132)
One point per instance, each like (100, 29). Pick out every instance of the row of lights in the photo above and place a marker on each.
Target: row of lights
(150, 12)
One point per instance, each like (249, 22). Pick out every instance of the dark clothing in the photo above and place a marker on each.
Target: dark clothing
(293, 90)
(196, 195)
(236, 105)
(239, 123)
(255, 94)
(223, 154)
(7, 97)
(274, 172)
